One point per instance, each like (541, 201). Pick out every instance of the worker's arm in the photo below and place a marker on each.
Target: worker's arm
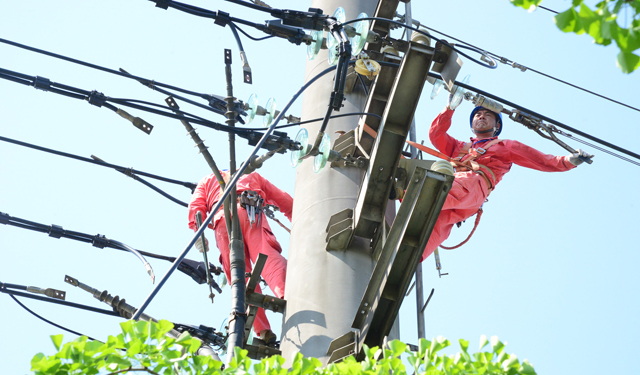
(529, 157)
(439, 137)
(275, 196)
(199, 200)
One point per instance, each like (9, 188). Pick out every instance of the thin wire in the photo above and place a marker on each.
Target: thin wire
(547, 9)
(50, 322)
(254, 38)
(490, 66)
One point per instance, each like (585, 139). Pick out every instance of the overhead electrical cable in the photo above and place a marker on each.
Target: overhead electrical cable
(4, 289)
(523, 68)
(104, 69)
(193, 269)
(100, 100)
(127, 171)
(49, 321)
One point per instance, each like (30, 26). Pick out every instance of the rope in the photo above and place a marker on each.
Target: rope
(478, 216)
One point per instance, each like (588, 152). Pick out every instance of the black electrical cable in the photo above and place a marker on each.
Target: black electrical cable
(252, 37)
(57, 301)
(189, 185)
(101, 68)
(542, 117)
(49, 321)
(547, 9)
(490, 66)
(507, 61)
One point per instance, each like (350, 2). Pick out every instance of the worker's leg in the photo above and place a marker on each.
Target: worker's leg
(222, 241)
(467, 194)
(260, 239)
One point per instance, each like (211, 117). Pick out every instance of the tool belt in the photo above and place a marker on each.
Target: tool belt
(253, 203)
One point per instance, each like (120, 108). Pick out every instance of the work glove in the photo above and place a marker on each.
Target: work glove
(201, 248)
(452, 105)
(574, 158)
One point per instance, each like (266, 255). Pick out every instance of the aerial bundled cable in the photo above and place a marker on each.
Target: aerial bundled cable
(196, 270)
(523, 68)
(98, 99)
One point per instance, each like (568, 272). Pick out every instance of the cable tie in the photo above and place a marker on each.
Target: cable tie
(55, 231)
(222, 18)
(42, 83)
(4, 218)
(164, 4)
(100, 241)
(97, 98)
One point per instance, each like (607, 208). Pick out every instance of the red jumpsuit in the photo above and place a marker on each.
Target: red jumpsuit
(258, 239)
(470, 190)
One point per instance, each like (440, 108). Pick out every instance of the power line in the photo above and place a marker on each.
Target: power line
(127, 171)
(506, 61)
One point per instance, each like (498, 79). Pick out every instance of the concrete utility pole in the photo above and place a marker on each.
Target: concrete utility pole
(323, 288)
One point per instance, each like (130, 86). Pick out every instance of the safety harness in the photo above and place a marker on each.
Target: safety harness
(466, 161)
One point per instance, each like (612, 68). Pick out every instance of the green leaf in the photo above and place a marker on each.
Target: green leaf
(57, 341)
(397, 347)
(628, 62)
(464, 345)
(567, 20)
(496, 345)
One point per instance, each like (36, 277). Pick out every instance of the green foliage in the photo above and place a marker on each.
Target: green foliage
(607, 21)
(144, 348)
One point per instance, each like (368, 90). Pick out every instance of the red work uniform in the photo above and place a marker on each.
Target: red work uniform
(470, 189)
(257, 239)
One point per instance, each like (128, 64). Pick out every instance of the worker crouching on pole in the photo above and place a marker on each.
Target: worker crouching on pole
(480, 165)
(253, 191)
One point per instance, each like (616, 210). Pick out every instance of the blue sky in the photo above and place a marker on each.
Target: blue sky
(551, 270)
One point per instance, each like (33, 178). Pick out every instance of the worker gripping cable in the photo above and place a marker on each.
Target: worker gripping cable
(480, 165)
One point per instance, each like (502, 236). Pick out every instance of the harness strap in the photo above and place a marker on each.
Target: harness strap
(478, 216)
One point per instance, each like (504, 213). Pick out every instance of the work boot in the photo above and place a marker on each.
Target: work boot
(267, 338)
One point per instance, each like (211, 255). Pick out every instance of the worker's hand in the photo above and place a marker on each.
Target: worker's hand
(577, 157)
(199, 245)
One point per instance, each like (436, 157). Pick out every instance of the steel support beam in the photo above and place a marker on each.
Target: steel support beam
(393, 131)
(401, 252)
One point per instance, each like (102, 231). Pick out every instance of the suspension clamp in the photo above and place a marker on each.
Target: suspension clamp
(100, 241)
(222, 18)
(42, 83)
(4, 218)
(164, 4)
(97, 98)
(56, 231)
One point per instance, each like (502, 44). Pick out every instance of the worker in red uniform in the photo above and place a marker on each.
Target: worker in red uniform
(485, 159)
(257, 235)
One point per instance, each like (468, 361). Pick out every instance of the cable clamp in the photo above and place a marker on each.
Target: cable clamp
(164, 4)
(100, 241)
(518, 66)
(4, 218)
(55, 231)
(42, 83)
(222, 18)
(97, 98)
